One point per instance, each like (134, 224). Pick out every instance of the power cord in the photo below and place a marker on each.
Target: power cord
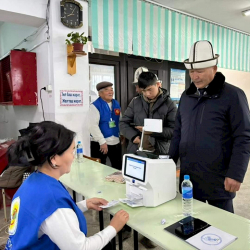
(47, 18)
(44, 88)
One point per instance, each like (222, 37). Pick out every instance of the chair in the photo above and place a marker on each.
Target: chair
(10, 180)
(10, 193)
(92, 159)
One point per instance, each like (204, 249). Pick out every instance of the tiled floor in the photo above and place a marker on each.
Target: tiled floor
(241, 205)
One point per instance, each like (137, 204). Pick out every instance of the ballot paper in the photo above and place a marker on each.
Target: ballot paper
(200, 234)
(133, 200)
(132, 203)
(110, 204)
(134, 196)
(211, 238)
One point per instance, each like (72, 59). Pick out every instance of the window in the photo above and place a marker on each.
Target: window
(99, 73)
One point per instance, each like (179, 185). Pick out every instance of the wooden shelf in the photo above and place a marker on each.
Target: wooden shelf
(71, 60)
(77, 53)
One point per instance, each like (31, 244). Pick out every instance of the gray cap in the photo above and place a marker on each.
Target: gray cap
(102, 85)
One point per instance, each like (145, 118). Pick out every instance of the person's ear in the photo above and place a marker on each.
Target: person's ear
(53, 160)
(158, 84)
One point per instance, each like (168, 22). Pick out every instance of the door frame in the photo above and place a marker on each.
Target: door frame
(124, 74)
(120, 72)
(116, 73)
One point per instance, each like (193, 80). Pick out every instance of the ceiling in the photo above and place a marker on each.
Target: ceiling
(225, 12)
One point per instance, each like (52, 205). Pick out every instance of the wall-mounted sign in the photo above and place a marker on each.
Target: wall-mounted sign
(71, 98)
(177, 84)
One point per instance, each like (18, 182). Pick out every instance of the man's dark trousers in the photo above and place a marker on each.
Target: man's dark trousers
(114, 154)
(226, 205)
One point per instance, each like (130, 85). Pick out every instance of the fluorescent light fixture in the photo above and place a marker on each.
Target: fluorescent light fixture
(246, 13)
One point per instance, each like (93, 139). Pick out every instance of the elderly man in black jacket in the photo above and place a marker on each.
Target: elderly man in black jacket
(154, 103)
(212, 131)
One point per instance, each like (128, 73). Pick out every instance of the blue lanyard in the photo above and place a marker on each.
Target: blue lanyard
(109, 111)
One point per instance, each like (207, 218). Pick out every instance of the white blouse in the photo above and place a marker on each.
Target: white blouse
(62, 227)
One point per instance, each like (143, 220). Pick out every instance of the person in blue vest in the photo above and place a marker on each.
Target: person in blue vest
(43, 214)
(103, 123)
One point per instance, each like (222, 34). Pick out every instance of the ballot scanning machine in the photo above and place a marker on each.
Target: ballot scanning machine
(150, 181)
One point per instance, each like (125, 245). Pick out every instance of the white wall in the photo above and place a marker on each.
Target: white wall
(51, 68)
(33, 14)
(25, 12)
(240, 79)
(12, 34)
(13, 118)
(72, 117)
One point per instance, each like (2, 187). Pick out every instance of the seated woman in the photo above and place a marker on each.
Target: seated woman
(43, 214)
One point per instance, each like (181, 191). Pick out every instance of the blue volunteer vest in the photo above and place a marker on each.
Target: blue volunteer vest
(106, 114)
(38, 197)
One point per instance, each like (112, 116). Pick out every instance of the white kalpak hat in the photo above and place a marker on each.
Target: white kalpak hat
(201, 56)
(137, 73)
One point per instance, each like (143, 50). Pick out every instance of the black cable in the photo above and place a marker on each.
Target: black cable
(47, 16)
(47, 12)
(44, 88)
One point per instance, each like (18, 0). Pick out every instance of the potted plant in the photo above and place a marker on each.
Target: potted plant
(77, 40)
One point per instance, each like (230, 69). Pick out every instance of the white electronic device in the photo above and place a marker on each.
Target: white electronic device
(150, 125)
(149, 182)
(153, 125)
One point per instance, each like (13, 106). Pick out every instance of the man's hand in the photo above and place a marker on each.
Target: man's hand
(95, 203)
(139, 128)
(231, 185)
(137, 140)
(104, 148)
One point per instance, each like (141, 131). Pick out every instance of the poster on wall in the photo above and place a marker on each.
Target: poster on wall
(71, 98)
(177, 84)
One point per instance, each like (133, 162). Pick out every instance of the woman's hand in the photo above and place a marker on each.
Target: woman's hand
(95, 203)
(119, 220)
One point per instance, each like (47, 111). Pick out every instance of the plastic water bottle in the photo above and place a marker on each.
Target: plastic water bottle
(187, 196)
(79, 151)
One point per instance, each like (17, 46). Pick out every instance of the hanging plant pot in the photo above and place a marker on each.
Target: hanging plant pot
(78, 46)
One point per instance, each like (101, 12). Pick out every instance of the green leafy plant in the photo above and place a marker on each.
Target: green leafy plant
(76, 37)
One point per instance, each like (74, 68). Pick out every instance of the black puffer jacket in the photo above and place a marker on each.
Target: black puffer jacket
(138, 109)
(212, 137)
